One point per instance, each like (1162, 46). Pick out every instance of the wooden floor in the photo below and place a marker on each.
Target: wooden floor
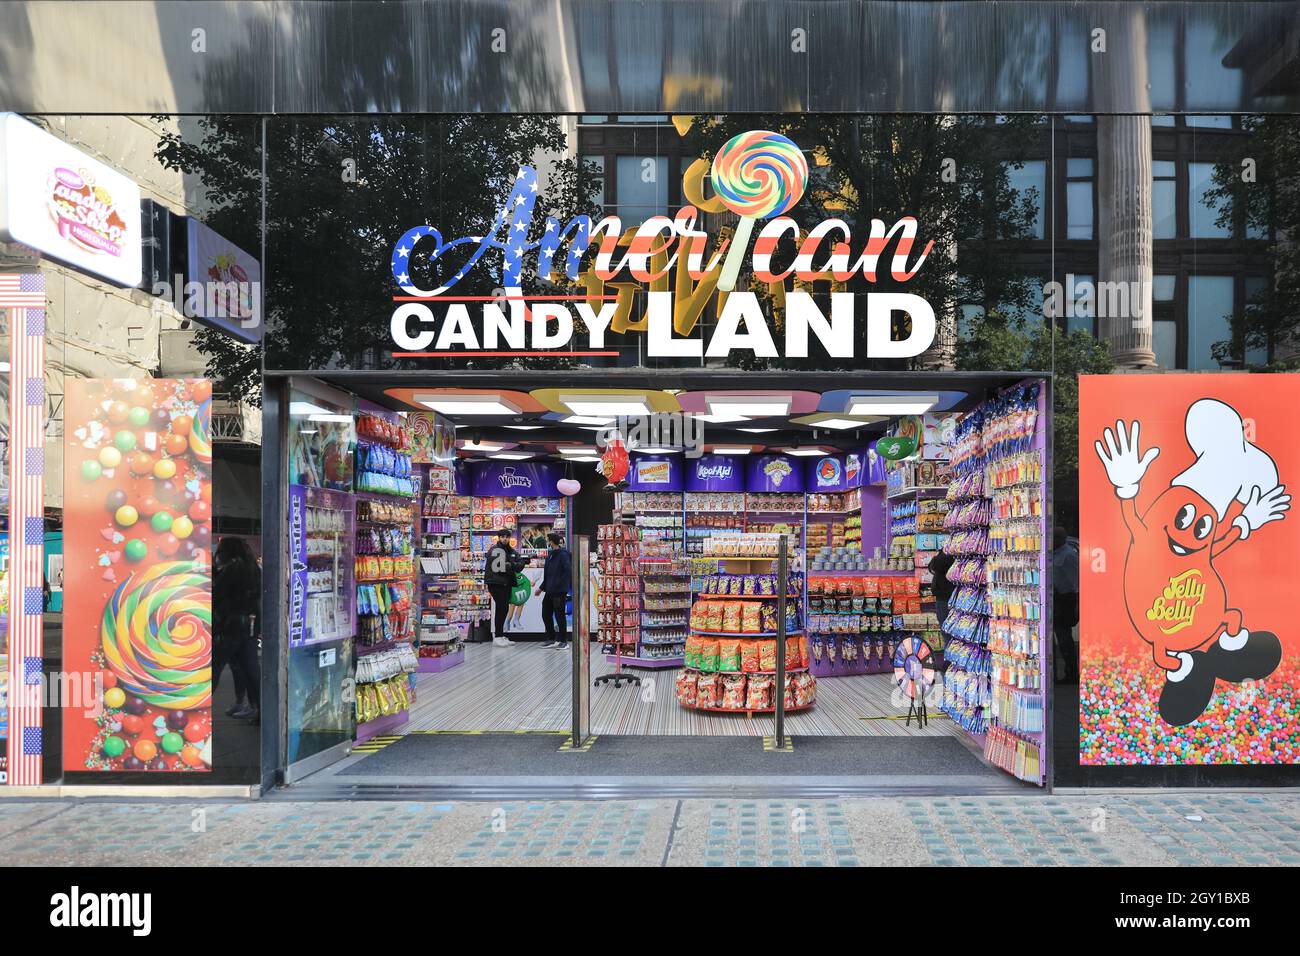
(527, 687)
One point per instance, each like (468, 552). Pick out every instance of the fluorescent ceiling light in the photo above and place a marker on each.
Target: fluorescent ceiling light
(328, 417)
(657, 451)
(753, 406)
(601, 420)
(483, 446)
(523, 428)
(583, 458)
(512, 455)
(468, 404)
(756, 431)
(803, 452)
(718, 419)
(606, 405)
(577, 449)
(891, 404)
(840, 424)
(730, 450)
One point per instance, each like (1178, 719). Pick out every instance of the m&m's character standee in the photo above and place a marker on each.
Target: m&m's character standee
(1174, 595)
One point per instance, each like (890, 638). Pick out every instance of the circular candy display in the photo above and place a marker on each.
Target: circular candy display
(156, 635)
(759, 174)
(200, 433)
(913, 667)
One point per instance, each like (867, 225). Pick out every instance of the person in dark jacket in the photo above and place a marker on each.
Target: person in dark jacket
(556, 580)
(941, 587)
(236, 606)
(499, 570)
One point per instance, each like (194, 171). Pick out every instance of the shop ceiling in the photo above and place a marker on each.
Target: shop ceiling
(535, 410)
(641, 56)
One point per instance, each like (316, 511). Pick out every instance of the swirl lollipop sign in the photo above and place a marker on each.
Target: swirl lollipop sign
(756, 175)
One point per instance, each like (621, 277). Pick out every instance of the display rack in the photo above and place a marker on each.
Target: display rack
(856, 620)
(1014, 576)
(384, 556)
(665, 606)
(322, 593)
(471, 605)
(730, 660)
(441, 634)
(708, 512)
(967, 692)
(618, 600)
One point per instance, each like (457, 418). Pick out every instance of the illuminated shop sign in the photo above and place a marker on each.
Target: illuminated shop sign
(759, 176)
(58, 201)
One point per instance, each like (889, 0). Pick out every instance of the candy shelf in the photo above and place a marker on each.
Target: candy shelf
(736, 667)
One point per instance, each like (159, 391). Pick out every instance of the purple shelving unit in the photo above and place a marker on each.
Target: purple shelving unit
(436, 665)
(380, 725)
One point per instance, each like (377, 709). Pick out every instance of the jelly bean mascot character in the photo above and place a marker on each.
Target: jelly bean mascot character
(1175, 598)
(614, 464)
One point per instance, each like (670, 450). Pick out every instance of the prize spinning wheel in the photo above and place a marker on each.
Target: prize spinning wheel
(914, 674)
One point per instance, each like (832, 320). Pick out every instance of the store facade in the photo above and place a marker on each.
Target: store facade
(1108, 225)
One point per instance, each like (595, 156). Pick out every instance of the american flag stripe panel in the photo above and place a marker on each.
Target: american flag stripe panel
(22, 297)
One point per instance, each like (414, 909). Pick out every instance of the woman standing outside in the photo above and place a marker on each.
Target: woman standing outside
(236, 602)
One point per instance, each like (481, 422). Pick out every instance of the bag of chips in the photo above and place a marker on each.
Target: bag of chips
(767, 655)
(731, 617)
(708, 654)
(713, 619)
(728, 655)
(759, 693)
(687, 684)
(692, 655)
(751, 620)
(733, 691)
(768, 617)
(749, 662)
(794, 654)
(708, 689)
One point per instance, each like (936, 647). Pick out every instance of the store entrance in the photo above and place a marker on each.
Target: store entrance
(904, 635)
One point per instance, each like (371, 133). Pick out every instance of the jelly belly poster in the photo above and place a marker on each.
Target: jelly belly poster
(137, 541)
(1189, 638)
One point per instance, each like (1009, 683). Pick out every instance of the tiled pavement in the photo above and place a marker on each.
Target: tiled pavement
(1098, 830)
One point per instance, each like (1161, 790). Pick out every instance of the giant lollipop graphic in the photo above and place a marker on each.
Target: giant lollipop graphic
(756, 175)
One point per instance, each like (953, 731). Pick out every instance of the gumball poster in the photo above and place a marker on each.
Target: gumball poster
(1189, 646)
(138, 574)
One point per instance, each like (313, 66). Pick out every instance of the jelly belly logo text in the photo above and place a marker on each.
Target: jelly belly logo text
(510, 479)
(1175, 607)
(84, 213)
(758, 176)
(777, 471)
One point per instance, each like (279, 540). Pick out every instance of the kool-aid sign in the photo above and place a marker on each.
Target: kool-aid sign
(715, 473)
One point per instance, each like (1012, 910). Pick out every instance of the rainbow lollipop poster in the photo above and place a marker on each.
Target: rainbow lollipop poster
(137, 624)
(756, 175)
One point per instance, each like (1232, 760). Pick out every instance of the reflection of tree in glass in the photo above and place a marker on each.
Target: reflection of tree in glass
(889, 166)
(1268, 207)
(328, 282)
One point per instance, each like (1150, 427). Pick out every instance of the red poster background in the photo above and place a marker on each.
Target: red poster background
(1120, 685)
(137, 575)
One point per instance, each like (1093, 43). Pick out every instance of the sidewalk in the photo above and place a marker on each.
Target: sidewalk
(1234, 829)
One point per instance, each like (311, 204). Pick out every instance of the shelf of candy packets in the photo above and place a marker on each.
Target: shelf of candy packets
(754, 545)
(618, 598)
(384, 458)
(376, 567)
(382, 685)
(703, 688)
(643, 501)
(384, 613)
(722, 616)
